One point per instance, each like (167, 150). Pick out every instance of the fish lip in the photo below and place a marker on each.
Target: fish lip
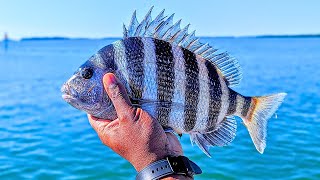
(68, 97)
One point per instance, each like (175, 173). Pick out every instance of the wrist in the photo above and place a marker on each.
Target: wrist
(170, 147)
(145, 159)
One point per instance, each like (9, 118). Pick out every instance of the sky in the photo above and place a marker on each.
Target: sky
(104, 18)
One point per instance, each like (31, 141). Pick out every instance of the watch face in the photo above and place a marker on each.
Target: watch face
(180, 164)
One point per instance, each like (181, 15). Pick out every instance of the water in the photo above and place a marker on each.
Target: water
(42, 137)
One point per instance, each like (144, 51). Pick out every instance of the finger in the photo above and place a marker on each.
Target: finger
(93, 118)
(118, 95)
(104, 128)
(174, 144)
(97, 123)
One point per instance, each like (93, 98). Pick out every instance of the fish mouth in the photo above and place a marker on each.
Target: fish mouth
(72, 101)
(66, 93)
(68, 97)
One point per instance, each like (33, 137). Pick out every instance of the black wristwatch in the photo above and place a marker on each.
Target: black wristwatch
(171, 165)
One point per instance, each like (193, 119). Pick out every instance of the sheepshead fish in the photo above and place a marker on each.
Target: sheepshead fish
(181, 82)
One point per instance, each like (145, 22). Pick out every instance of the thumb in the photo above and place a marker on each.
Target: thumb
(118, 95)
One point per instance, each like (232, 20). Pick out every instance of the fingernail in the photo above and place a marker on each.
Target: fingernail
(111, 81)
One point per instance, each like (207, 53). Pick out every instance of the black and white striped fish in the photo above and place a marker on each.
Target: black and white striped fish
(178, 80)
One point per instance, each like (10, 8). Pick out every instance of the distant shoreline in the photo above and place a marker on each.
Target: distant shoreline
(62, 38)
(290, 36)
(258, 36)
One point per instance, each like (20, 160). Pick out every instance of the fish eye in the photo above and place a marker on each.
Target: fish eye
(86, 73)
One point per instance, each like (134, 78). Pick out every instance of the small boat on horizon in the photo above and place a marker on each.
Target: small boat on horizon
(6, 42)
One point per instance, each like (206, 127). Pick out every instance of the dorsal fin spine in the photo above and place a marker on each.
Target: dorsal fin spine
(181, 34)
(125, 31)
(192, 43)
(196, 45)
(187, 39)
(154, 25)
(202, 48)
(173, 38)
(164, 27)
(206, 52)
(141, 29)
(211, 51)
(133, 24)
(172, 30)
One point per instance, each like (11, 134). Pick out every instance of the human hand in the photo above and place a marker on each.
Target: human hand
(134, 135)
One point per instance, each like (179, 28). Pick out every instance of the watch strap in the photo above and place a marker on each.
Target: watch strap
(171, 165)
(155, 170)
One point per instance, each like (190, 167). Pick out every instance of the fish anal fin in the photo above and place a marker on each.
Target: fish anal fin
(222, 136)
(225, 133)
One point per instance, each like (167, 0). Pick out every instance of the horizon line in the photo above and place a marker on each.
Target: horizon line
(119, 37)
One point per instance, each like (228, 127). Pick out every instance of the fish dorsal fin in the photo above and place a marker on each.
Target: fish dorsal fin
(163, 28)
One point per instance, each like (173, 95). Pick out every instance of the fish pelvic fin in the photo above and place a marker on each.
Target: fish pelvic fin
(222, 136)
(261, 109)
(201, 142)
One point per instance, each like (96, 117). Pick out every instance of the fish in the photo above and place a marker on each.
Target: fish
(181, 82)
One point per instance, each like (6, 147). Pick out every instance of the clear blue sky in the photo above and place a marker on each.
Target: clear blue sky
(102, 18)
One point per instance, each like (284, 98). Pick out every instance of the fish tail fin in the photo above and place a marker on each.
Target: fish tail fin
(256, 119)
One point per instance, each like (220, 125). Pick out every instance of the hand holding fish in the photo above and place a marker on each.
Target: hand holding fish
(134, 135)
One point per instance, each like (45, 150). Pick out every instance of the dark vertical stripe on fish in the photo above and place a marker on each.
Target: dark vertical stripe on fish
(134, 51)
(246, 106)
(192, 89)
(232, 102)
(165, 79)
(107, 56)
(215, 95)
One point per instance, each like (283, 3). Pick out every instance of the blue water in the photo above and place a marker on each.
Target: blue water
(42, 137)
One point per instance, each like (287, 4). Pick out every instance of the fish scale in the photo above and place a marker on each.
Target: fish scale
(180, 81)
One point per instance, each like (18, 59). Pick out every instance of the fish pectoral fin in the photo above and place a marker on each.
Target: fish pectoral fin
(222, 136)
(163, 104)
(152, 106)
(147, 104)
